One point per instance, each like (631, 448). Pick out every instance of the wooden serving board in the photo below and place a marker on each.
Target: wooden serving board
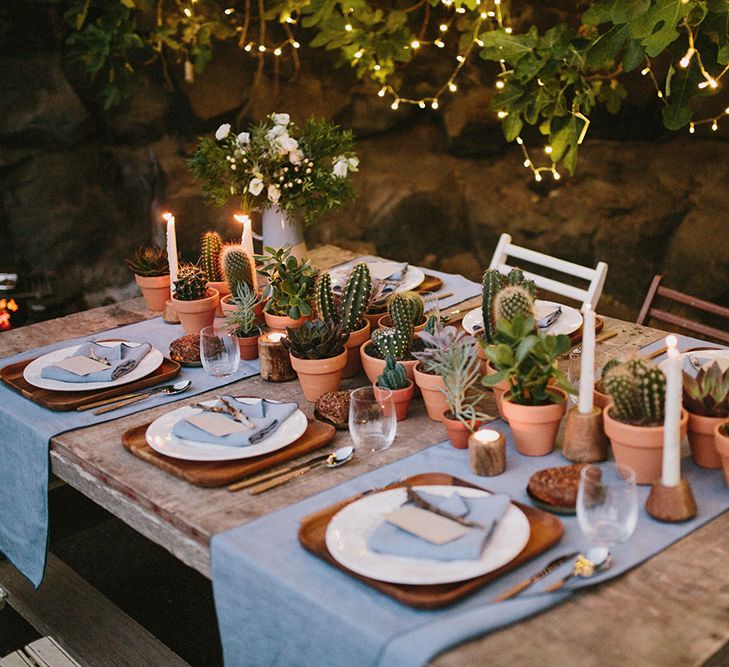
(220, 473)
(62, 401)
(545, 531)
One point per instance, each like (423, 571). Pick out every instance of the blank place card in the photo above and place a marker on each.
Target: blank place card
(216, 424)
(81, 365)
(426, 525)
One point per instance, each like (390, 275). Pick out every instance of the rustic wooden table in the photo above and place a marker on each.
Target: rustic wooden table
(672, 610)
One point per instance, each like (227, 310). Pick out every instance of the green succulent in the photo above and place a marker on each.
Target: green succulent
(392, 342)
(291, 285)
(238, 267)
(242, 320)
(149, 262)
(191, 283)
(708, 393)
(315, 339)
(638, 392)
(351, 306)
(513, 300)
(491, 283)
(394, 376)
(211, 244)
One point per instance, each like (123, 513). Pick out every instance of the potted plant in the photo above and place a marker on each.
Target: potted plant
(193, 301)
(349, 309)
(290, 291)
(238, 268)
(706, 399)
(534, 403)
(395, 378)
(152, 273)
(211, 245)
(600, 396)
(377, 305)
(243, 321)
(413, 302)
(721, 442)
(317, 355)
(458, 366)
(280, 169)
(634, 418)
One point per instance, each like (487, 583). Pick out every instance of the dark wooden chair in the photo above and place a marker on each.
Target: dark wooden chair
(656, 291)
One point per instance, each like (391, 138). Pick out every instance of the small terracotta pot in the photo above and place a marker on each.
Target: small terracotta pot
(319, 376)
(385, 321)
(431, 386)
(701, 438)
(155, 290)
(401, 399)
(373, 319)
(640, 447)
(223, 291)
(195, 315)
(599, 399)
(534, 427)
(721, 442)
(248, 347)
(373, 366)
(499, 390)
(458, 432)
(355, 340)
(280, 322)
(227, 306)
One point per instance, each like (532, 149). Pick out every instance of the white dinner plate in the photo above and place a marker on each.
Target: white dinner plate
(705, 356)
(413, 277)
(569, 321)
(160, 437)
(32, 372)
(351, 527)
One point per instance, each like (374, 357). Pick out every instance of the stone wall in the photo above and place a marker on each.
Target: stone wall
(81, 188)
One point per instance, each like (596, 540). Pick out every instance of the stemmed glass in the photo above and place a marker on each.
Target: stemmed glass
(219, 351)
(372, 422)
(607, 503)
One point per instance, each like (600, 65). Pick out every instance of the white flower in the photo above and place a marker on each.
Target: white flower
(244, 138)
(276, 131)
(281, 118)
(353, 163)
(295, 157)
(255, 186)
(273, 193)
(340, 168)
(222, 132)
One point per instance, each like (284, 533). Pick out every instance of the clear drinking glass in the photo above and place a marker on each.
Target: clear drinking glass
(607, 503)
(372, 422)
(219, 351)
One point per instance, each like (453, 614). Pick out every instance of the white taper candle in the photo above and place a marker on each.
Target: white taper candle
(171, 249)
(247, 237)
(671, 474)
(587, 366)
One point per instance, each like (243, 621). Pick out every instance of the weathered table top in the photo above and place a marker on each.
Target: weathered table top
(669, 611)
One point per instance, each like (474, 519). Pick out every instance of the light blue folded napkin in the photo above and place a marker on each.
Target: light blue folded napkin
(487, 511)
(266, 416)
(122, 359)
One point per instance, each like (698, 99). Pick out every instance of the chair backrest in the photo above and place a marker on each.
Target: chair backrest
(595, 277)
(649, 311)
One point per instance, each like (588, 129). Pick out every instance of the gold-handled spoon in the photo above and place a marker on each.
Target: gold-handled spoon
(598, 559)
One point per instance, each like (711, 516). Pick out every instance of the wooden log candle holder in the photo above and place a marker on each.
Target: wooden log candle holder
(487, 452)
(584, 438)
(274, 358)
(671, 503)
(169, 314)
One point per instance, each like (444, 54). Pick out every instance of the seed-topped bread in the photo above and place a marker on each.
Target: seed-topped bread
(334, 407)
(556, 486)
(186, 348)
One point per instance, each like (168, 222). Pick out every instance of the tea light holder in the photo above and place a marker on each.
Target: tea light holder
(671, 504)
(584, 438)
(487, 452)
(274, 358)
(169, 314)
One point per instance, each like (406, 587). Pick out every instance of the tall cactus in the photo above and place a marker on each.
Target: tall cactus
(491, 283)
(652, 389)
(356, 297)
(401, 316)
(406, 304)
(392, 342)
(211, 246)
(238, 267)
(511, 301)
(324, 298)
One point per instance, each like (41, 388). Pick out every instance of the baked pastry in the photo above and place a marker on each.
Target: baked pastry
(333, 407)
(556, 486)
(186, 349)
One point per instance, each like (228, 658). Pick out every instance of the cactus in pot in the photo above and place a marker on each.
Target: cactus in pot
(516, 278)
(193, 300)
(191, 283)
(356, 297)
(511, 301)
(491, 283)
(325, 306)
(638, 391)
(395, 378)
(392, 342)
(406, 304)
(238, 268)
(152, 274)
(211, 245)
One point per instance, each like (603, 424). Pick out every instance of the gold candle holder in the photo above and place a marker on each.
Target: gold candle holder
(274, 358)
(672, 504)
(584, 438)
(487, 452)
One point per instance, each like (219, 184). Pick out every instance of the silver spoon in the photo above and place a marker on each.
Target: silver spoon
(337, 458)
(129, 399)
(598, 559)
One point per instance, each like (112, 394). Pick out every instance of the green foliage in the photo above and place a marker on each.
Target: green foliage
(708, 393)
(527, 359)
(638, 391)
(406, 306)
(315, 339)
(291, 283)
(242, 320)
(325, 308)
(211, 246)
(491, 283)
(149, 262)
(191, 283)
(435, 342)
(394, 376)
(238, 267)
(356, 297)
(513, 301)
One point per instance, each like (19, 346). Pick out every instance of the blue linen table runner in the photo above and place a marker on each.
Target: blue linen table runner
(27, 429)
(277, 604)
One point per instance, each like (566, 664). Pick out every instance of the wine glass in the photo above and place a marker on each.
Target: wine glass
(372, 422)
(219, 351)
(607, 503)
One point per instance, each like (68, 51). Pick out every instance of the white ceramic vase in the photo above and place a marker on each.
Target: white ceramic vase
(281, 228)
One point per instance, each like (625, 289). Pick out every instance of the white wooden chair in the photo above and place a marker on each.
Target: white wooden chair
(595, 277)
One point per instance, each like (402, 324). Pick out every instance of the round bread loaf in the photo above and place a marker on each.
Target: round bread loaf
(334, 406)
(186, 348)
(556, 486)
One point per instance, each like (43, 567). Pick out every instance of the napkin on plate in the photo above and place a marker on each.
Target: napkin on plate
(394, 271)
(122, 359)
(265, 415)
(488, 511)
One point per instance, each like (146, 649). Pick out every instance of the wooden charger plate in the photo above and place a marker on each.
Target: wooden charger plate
(545, 531)
(576, 336)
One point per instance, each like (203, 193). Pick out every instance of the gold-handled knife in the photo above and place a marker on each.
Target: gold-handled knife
(523, 585)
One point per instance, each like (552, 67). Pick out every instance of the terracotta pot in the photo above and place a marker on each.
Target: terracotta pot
(498, 390)
(319, 376)
(248, 347)
(534, 427)
(640, 447)
(458, 432)
(401, 399)
(373, 366)
(701, 438)
(721, 442)
(223, 291)
(373, 319)
(385, 321)
(280, 322)
(227, 306)
(484, 359)
(355, 340)
(599, 399)
(195, 315)
(155, 290)
(430, 386)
